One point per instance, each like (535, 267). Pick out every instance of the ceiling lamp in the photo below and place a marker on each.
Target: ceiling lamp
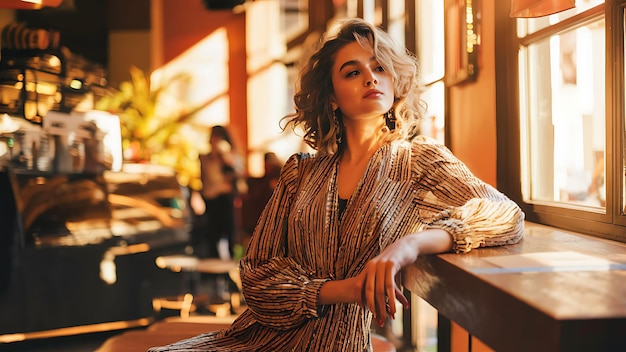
(29, 4)
(222, 4)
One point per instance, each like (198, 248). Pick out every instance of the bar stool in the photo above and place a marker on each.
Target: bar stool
(187, 301)
(223, 270)
(180, 263)
(193, 267)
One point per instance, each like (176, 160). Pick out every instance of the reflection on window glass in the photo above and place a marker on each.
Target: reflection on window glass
(531, 25)
(563, 117)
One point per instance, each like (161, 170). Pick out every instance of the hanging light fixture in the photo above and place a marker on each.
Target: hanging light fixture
(29, 4)
(539, 8)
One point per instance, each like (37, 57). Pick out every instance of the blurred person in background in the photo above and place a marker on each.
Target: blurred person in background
(221, 171)
(260, 190)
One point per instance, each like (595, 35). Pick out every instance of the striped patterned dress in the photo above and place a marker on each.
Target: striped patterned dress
(301, 241)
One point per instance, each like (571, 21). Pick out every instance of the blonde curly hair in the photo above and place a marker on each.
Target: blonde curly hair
(314, 113)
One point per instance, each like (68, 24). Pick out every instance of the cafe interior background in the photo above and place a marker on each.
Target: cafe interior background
(518, 90)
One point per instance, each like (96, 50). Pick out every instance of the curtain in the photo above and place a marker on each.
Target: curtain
(539, 8)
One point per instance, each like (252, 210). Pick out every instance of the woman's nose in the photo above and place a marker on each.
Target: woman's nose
(370, 79)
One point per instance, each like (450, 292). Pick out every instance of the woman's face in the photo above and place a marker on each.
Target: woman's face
(362, 88)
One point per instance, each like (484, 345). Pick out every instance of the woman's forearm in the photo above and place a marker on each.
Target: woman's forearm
(432, 241)
(425, 242)
(338, 291)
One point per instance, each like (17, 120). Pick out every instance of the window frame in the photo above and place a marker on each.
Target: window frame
(610, 224)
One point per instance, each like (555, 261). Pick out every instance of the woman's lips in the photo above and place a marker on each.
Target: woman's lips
(372, 93)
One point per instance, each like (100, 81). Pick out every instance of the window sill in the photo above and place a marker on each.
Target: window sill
(530, 310)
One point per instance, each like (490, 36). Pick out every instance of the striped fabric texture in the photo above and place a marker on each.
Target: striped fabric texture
(300, 242)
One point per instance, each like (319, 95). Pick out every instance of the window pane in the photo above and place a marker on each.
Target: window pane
(433, 120)
(430, 43)
(397, 21)
(295, 17)
(563, 117)
(531, 25)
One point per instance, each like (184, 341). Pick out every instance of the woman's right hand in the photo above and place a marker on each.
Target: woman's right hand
(378, 287)
(355, 290)
(380, 281)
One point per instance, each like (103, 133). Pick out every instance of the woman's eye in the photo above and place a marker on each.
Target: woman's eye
(380, 69)
(352, 74)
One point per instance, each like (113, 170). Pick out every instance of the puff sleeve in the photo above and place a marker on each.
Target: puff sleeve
(279, 292)
(453, 199)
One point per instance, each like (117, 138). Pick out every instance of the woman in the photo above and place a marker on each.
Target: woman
(327, 252)
(221, 171)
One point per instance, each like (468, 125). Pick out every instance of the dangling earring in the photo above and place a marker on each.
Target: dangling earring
(338, 126)
(390, 119)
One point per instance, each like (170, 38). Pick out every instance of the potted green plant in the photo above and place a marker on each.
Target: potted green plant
(151, 134)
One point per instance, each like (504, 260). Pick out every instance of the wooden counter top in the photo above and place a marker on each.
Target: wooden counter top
(580, 308)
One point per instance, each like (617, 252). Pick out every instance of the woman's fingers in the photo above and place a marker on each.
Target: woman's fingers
(380, 289)
(402, 298)
(382, 298)
(370, 288)
(390, 290)
(399, 294)
(380, 280)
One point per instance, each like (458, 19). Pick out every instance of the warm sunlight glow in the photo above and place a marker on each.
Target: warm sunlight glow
(563, 117)
(431, 42)
(267, 83)
(204, 86)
